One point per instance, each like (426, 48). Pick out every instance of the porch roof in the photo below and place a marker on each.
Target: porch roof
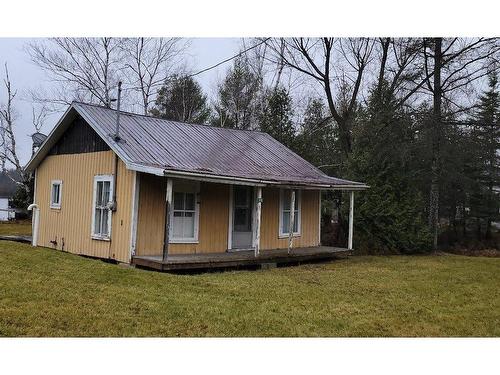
(171, 148)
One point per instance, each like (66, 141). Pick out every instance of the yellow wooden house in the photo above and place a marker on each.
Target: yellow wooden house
(171, 195)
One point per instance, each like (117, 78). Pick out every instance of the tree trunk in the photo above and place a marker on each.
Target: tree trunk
(436, 144)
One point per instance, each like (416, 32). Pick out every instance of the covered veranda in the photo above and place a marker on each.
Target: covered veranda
(254, 255)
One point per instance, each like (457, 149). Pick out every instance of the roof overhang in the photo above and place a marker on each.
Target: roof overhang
(234, 180)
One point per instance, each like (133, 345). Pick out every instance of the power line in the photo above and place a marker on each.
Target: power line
(229, 59)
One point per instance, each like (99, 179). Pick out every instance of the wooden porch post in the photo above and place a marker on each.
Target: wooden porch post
(292, 219)
(258, 214)
(168, 203)
(351, 219)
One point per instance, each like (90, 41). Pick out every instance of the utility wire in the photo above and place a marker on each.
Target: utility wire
(229, 59)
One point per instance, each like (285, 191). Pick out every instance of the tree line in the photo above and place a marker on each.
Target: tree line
(417, 119)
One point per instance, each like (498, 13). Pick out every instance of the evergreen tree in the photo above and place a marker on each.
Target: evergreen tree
(182, 99)
(276, 119)
(317, 141)
(486, 134)
(389, 215)
(237, 100)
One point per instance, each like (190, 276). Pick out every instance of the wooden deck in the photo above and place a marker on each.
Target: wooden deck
(239, 259)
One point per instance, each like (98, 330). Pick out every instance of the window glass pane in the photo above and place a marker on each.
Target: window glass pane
(189, 201)
(286, 200)
(177, 225)
(178, 201)
(286, 222)
(99, 194)
(240, 217)
(105, 214)
(97, 221)
(188, 225)
(105, 194)
(55, 193)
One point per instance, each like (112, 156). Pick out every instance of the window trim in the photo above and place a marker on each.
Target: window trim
(56, 206)
(186, 188)
(298, 203)
(98, 178)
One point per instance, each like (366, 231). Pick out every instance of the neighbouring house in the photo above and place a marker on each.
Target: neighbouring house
(6, 213)
(153, 192)
(8, 189)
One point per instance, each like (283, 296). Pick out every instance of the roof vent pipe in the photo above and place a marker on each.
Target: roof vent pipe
(116, 136)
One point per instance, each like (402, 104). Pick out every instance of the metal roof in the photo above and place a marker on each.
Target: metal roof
(165, 147)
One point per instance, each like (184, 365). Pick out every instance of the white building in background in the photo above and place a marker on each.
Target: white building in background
(5, 212)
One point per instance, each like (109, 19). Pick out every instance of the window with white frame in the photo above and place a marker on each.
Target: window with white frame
(55, 194)
(285, 206)
(184, 215)
(101, 219)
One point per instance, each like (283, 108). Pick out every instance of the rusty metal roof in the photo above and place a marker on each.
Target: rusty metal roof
(161, 146)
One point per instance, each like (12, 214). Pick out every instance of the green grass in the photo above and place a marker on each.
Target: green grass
(50, 293)
(15, 228)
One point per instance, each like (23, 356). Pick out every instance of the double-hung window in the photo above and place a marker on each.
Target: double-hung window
(184, 216)
(55, 194)
(101, 219)
(285, 209)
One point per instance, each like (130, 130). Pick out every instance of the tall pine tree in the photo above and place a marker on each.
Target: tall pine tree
(390, 213)
(276, 118)
(486, 135)
(181, 99)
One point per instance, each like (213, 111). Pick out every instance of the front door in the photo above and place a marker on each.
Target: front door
(242, 234)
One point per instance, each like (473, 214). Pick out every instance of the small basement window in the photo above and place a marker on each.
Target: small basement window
(285, 196)
(101, 219)
(55, 194)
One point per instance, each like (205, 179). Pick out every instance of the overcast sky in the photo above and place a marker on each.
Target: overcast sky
(24, 75)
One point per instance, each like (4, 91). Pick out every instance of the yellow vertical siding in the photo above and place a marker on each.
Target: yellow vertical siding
(214, 219)
(72, 223)
(269, 235)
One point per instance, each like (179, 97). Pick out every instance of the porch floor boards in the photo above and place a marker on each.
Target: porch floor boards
(236, 259)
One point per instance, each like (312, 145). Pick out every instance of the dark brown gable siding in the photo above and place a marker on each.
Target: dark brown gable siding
(80, 138)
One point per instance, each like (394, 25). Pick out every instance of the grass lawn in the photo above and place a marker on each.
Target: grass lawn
(16, 228)
(50, 293)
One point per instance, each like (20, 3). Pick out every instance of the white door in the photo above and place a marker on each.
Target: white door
(242, 234)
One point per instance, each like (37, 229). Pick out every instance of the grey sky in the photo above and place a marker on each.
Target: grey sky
(203, 52)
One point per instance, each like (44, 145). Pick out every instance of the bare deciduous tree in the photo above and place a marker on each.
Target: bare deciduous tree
(338, 65)
(151, 61)
(8, 149)
(88, 67)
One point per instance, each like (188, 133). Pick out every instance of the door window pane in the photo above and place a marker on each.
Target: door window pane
(242, 217)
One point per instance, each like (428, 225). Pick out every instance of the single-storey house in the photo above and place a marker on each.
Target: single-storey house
(135, 188)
